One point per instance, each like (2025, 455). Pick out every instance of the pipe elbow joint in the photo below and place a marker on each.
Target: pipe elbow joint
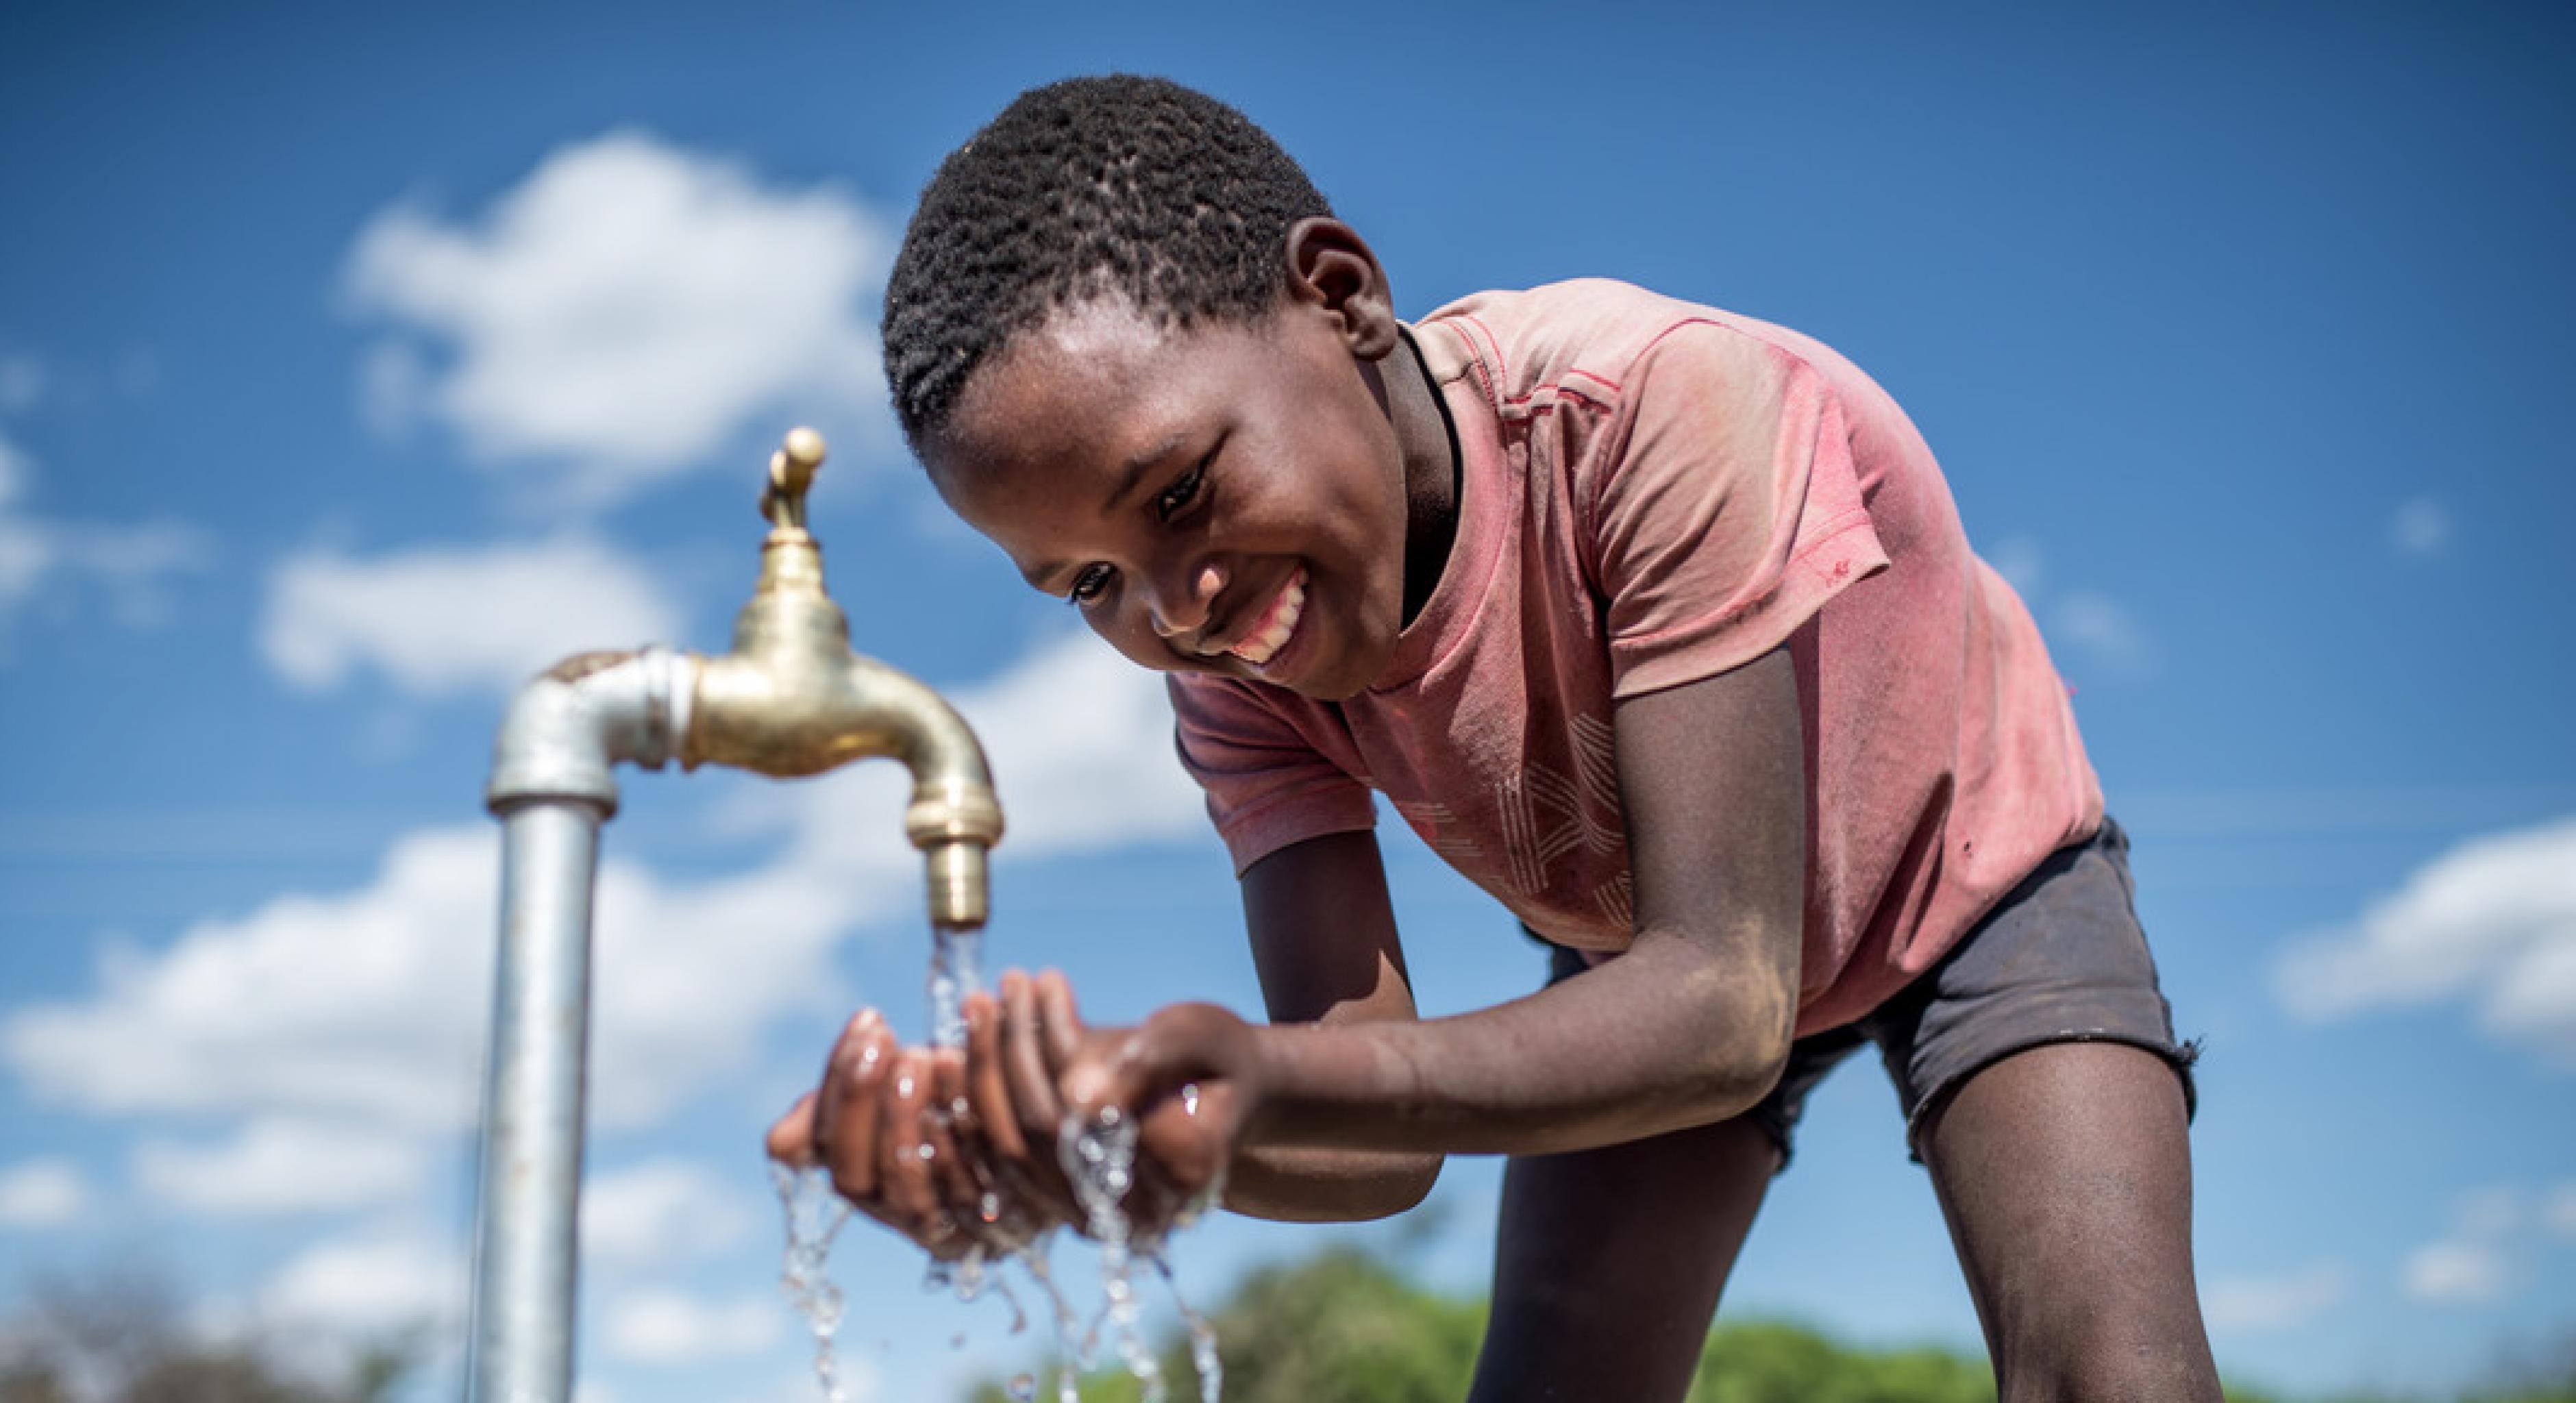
(572, 724)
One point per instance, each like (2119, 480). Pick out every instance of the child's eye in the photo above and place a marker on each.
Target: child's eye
(1088, 585)
(1179, 495)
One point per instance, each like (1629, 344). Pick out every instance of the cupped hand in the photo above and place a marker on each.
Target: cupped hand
(1191, 1075)
(896, 1130)
(963, 1148)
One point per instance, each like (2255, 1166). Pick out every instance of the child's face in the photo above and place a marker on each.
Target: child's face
(1226, 499)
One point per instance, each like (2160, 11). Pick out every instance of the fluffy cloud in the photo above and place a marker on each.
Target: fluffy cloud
(2106, 630)
(2083, 626)
(2558, 1214)
(131, 563)
(2474, 1263)
(369, 1004)
(672, 1327)
(2420, 529)
(23, 380)
(2246, 1304)
(2494, 920)
(42, 1193)
(446, 619)
(282, 1166)
(624, 312)
(657, 1211)
(372, 1283)
(2456, 1272)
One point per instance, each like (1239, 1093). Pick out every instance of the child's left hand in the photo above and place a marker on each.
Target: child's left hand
(1192, 1075)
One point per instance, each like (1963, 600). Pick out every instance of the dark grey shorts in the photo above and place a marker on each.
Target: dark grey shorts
(2060, 959)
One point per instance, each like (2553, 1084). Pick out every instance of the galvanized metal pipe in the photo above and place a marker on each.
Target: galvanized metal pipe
(552, 786)
(525, 1253)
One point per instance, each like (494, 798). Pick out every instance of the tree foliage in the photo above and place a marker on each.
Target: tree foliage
(1341, 1327)
(122, 1339)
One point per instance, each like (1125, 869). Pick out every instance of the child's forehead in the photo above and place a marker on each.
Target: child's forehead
(1097, 380)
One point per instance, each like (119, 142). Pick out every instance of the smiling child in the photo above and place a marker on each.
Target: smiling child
(1659, 624)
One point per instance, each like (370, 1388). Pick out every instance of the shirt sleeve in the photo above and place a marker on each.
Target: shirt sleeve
(1267, 788)
(1729, 511)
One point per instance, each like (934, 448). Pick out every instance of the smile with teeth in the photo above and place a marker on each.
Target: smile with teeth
(1276, 624)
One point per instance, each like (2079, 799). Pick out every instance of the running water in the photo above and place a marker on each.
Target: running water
(1100, 1158)
(814, 1214)
(1203, 1355)
(956, 970)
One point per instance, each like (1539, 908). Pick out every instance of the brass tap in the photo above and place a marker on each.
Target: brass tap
(791, 700)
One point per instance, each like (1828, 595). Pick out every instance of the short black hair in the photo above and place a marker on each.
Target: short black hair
(1123, 186)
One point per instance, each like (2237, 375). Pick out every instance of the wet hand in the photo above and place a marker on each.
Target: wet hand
(895, 1129)
(1191, 1074)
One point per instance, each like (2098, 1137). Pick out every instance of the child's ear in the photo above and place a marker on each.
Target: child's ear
(1331, 269)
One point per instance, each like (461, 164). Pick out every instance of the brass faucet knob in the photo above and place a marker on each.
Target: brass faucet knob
(791, 473)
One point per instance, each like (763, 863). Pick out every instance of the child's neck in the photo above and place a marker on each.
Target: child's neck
(1433, 475)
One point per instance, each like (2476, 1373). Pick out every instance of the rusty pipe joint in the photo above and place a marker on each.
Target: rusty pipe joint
(573, 724)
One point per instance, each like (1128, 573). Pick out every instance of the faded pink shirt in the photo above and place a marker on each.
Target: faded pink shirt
(1656, 492)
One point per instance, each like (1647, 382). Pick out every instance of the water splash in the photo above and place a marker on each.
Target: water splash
(1100, 1158)
(814, 1216)
(1203, 1351)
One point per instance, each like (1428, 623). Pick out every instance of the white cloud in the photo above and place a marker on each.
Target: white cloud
(2558, 1211)
(2019, 561)
(2456, 1271)
(2493, 919)
(625, 312)
(370, 1283)
(658, 1211)
(2252, 1303)
(23, 380)
(672, 1327)
(131, 563)
(372, 1003)
(860, 1380)
(369, 1004)
(276, 1165)
(448, 619)
(42, 1193)
(2106, 630)
(2473, 1264)
(2420, 529)
(2082, 625)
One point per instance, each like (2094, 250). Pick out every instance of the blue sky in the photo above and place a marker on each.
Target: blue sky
(354, 362)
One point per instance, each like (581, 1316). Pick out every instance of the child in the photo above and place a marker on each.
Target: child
(1656, 622)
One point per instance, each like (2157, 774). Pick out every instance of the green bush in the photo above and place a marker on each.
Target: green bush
(1342, 1327)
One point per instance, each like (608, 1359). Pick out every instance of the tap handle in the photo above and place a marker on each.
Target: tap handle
(791, 472)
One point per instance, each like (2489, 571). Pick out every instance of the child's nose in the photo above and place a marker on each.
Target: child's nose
(1182, 611)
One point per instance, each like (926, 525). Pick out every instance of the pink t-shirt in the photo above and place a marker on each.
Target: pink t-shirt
(1654, 493)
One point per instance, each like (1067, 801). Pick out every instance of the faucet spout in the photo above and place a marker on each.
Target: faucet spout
(790, 713)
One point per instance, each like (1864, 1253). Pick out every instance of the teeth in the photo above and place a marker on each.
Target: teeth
(1291, 602)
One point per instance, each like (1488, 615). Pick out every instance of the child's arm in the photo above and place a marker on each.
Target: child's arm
(1691, 1025)
(1324, 943)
